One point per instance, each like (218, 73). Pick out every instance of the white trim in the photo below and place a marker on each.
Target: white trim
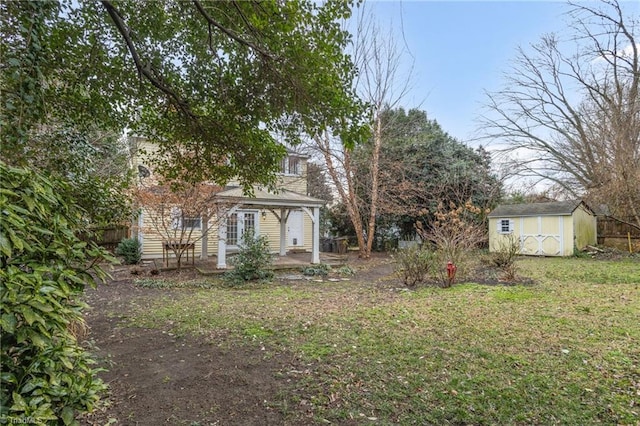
(315, 236)
(561, 231)
(283, 231)
(510, 226)
(240, 225)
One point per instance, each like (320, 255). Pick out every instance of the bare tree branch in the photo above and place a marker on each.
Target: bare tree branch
(575, 119)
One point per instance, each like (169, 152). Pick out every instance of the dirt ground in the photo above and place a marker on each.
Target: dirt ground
(156, 378)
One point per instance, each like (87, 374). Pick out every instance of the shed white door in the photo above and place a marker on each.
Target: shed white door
(295, 228)
(542, 235)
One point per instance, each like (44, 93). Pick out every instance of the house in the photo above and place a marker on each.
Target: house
(544, 229)
(211, 220)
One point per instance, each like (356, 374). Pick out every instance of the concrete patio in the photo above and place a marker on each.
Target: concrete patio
(293, 260)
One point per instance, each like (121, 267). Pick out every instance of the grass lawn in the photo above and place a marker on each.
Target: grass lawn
(565, 350)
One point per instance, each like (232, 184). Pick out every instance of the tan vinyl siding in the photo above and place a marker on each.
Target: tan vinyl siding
(152, 240)
(270, 227)
(296, 183)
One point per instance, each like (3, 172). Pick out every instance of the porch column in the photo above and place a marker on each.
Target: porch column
(315, 236)
(222, 243)
(204, 251)
(283, 233)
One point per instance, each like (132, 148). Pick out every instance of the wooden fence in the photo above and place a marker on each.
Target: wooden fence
(614, 233)
(107, 236)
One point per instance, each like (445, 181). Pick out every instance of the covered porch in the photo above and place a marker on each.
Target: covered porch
(280, 205)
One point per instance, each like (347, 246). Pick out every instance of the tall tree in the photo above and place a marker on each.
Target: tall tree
(210, 82)
(317, 183)
(381, 85)
(423, 167)
(574, 118)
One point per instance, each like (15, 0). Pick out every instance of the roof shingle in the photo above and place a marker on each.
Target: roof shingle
(537, 209)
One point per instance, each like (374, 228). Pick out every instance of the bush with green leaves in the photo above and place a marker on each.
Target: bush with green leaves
(130, 250)
(321, 269)
(46, 374)
(253, 261)
(346, 271)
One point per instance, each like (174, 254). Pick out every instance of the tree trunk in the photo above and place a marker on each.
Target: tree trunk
(375, 160)
(345, 187)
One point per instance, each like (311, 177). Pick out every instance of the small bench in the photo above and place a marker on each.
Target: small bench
(173, 246)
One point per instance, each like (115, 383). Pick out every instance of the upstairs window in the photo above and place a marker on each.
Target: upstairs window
(290, 166)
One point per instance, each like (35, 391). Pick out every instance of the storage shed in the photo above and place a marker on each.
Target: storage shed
(544, 229)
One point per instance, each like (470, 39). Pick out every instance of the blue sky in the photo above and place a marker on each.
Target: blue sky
(461, 48)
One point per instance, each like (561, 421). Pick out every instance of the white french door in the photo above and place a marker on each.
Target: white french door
(240, 222)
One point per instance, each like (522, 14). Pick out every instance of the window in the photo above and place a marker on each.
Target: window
(232, 230)
(239, 223)
(294, 166)
(505, 226)
(191, 222)
(180, 221)
(290, 166)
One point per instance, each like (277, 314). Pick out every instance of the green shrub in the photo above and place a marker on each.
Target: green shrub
(130, 250)
(44, 267)
(315, 270)
(253, 261)
(346, 271)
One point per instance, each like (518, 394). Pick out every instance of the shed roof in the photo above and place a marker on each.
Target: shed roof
(538, 209)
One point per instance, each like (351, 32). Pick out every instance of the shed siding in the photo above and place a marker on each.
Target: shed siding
(538, 235)
(544, 233)
(586, 228)
(529, 226)
(567, 244)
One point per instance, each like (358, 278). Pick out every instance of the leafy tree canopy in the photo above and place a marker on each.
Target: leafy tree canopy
(213, 83)
(422, 166)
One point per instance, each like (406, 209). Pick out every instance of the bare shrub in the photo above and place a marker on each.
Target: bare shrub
(455, 233)
(505, 256)
(414, 264)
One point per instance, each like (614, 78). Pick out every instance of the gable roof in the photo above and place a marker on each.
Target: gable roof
(555, 208)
